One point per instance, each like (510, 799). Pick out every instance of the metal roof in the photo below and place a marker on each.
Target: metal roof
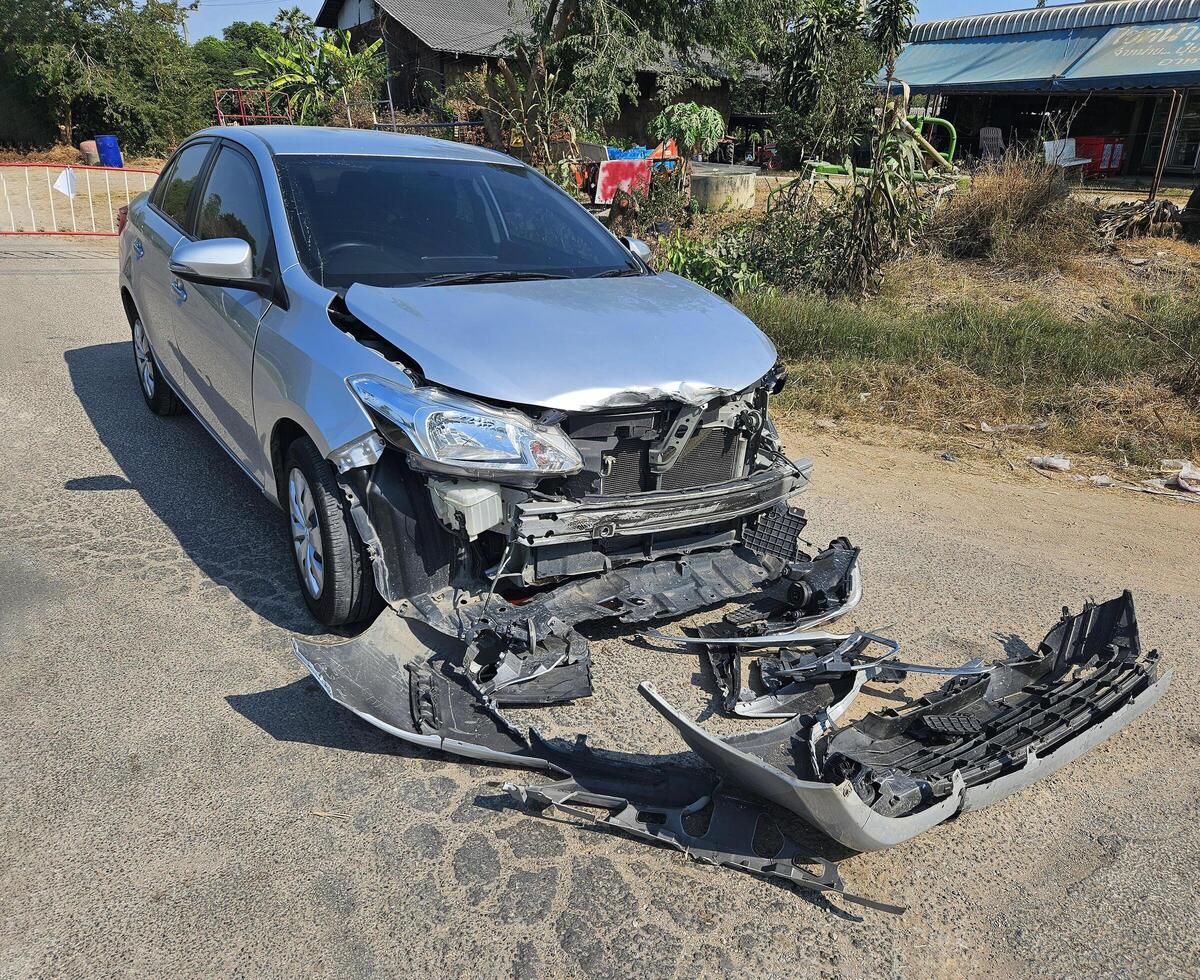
(1069, 17)
(453, 26)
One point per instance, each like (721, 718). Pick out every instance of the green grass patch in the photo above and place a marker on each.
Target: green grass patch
(1109, 384)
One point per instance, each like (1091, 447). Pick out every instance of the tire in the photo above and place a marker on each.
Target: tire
(332, 566)
(155, 390)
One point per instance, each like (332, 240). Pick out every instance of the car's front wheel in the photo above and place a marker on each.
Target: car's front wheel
(155, 390)
(331, 561)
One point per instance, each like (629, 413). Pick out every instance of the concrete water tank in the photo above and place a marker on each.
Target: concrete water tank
(719, 187)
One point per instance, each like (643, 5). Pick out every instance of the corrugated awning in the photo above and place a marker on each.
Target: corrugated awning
(1137, 56)
(1015, 62)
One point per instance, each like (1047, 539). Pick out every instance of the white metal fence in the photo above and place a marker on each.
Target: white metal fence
(53, 199)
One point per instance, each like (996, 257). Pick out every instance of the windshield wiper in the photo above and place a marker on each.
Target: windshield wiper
(615, 273)
(467, 278)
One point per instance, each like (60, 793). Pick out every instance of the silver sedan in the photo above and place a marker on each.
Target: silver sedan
(464, 392)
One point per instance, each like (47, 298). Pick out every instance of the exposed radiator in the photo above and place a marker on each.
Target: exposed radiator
(712, 456)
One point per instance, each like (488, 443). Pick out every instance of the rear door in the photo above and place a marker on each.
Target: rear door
(159, 227)
(216, 336)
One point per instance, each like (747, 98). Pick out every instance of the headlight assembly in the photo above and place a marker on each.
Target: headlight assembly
(455, 434)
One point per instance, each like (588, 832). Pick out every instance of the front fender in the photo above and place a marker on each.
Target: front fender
(301, 361)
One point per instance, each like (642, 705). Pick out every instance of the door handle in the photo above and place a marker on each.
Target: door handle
(180, 291)
(138, 250)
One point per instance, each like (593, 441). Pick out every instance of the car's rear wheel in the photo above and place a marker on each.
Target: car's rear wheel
(331, 562)
(155, 390)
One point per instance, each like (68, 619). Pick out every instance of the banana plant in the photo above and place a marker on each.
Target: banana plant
(316, 73)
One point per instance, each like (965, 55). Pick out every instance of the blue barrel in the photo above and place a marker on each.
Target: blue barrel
(109, 151)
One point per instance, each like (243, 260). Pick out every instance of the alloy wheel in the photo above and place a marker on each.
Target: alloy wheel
(145, 360)
(306, 533)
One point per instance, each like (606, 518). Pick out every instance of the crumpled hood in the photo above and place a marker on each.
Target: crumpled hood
(572, 344)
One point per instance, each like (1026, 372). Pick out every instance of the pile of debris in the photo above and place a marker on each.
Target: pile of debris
(990, 730)
(1136, 219)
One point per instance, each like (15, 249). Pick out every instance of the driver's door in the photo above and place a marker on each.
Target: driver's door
(217, 338)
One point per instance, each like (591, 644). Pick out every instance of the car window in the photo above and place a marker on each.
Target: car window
(232, 205)
(406, 221)
(160, 185)
(177, 188)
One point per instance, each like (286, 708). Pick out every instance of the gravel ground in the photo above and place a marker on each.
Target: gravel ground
(177, 798)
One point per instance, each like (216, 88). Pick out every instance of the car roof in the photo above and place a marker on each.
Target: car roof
(283, 140)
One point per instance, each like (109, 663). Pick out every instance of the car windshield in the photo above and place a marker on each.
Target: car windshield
(403, 221)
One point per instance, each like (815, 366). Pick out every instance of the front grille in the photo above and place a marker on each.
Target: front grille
(710, 457)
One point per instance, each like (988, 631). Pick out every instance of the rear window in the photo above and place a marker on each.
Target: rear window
(172, 198)
(397, 221)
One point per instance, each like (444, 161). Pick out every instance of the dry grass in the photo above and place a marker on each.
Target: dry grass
(1016, 213)
(63, 155)
(1106, 378)
(1087, 284)
(1137, 421)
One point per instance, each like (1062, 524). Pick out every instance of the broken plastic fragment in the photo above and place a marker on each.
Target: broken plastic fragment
(1052, 462)
(898, 772)
(682, 807)
(406, 678)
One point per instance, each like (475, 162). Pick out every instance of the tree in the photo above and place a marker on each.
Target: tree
(107, 66)
(572, 62)
(694, 128)
(889, 24)
(294, 24)
(876, 211)
(826, 65)
(235, 49)
(319, 73)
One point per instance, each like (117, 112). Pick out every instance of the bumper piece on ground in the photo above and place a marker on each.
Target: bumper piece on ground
(529, 653)
(683, 807)
(406, 678)
(898, 772)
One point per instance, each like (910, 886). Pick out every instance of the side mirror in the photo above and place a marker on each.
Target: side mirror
(216, 262)
(638, 248)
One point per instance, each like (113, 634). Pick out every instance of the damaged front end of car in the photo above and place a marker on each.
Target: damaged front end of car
(505, 529)
(496, 531)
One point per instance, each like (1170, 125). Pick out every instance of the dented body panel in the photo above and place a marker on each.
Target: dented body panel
(576, 345)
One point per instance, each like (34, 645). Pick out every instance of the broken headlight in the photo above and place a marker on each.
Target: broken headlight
(452, 433)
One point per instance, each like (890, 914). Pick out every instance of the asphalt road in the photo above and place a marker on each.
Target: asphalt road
(177, 798)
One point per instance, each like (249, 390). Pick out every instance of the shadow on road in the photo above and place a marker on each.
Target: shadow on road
(234, 535)
(301, 712)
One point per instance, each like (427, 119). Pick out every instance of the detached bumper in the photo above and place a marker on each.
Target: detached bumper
(898, 772)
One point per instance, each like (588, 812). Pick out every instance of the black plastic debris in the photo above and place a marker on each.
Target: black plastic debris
(683, 807)
(893, 774)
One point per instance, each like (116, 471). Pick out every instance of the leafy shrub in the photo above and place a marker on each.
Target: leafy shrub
(835, 116)
(721, 265)
(840, 245)
(1017, 211)
(694, 128)
(642, 214)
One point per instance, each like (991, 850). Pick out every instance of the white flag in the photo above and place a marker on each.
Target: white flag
(66, 183)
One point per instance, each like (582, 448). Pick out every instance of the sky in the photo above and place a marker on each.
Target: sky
(213, 15)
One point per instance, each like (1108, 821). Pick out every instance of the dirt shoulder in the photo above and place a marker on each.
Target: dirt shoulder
(990, 501)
